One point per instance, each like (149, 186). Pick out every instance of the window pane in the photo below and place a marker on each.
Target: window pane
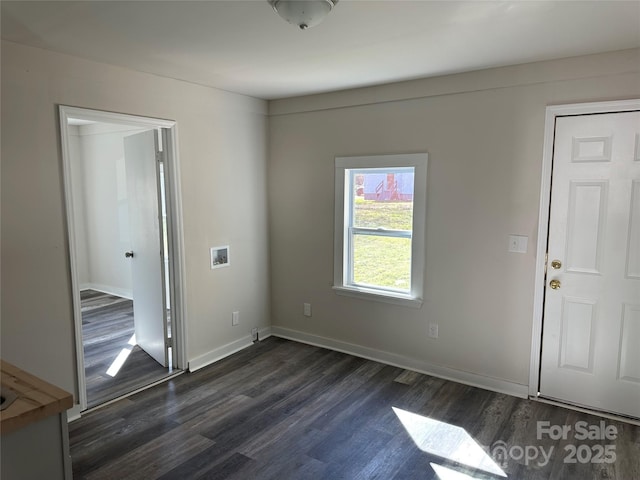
(375, 245)
(383, 199)
(382, 261)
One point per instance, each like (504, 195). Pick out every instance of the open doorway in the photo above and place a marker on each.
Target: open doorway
(124, 237)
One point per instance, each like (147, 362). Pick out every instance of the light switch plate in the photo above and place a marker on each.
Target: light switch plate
(518, 243)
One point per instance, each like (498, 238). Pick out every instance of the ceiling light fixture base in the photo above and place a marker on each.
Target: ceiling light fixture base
(303, 13)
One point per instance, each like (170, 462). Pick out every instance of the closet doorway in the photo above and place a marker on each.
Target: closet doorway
(125, 251)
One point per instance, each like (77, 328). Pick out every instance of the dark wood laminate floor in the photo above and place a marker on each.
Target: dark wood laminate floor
(107, 328)
(285, 410)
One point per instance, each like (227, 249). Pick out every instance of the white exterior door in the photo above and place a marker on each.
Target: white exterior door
(146, 256)
(591, 327)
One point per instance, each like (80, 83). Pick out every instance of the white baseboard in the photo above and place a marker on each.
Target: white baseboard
(219, 353)
(74, 413)
(109, 289)
(226, 350)
(264, 333)
(459, 376)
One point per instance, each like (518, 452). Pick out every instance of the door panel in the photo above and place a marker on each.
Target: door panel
(587, 218)
(633, 254)
(576, 334)
(148, 260)
(629, 351)
(591, 328)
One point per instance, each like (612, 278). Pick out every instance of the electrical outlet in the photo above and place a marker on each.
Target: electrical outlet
(307, 309)
(254, 334)
(235, 318)
(433, 330)
(518, 243)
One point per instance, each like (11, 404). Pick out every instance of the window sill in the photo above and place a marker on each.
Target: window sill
(378, 296)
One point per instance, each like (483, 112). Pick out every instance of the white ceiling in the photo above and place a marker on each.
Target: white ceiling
(243, 46)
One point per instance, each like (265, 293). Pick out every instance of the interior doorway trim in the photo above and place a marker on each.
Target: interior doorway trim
(175, 231)
(552, 112)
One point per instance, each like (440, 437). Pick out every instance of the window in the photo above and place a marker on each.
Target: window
(379, 227)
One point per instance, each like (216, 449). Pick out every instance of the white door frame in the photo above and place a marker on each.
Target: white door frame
(175, 232)
(543, 216)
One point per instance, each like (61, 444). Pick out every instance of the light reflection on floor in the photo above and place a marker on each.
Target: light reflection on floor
(449, 442)
(122, 357)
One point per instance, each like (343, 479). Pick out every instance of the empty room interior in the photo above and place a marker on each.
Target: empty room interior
(320, 239)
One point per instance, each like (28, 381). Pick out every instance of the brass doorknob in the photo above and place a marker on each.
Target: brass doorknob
(555, 284)
(128, 254)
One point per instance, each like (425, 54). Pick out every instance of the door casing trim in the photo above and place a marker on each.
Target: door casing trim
(174, 210)
(552, 112)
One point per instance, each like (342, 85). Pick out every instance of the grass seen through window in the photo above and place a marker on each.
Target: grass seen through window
(382, 261)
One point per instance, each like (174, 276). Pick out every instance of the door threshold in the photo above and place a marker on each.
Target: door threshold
(171, 376)
(591, 411)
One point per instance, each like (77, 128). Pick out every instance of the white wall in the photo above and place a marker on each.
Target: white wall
(484, 135)
(102, 191)
(222, 145)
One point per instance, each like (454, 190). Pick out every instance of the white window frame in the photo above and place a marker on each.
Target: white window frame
(342, 274)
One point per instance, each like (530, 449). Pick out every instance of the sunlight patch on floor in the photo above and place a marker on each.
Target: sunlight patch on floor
(122, 357)
(447, 441)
